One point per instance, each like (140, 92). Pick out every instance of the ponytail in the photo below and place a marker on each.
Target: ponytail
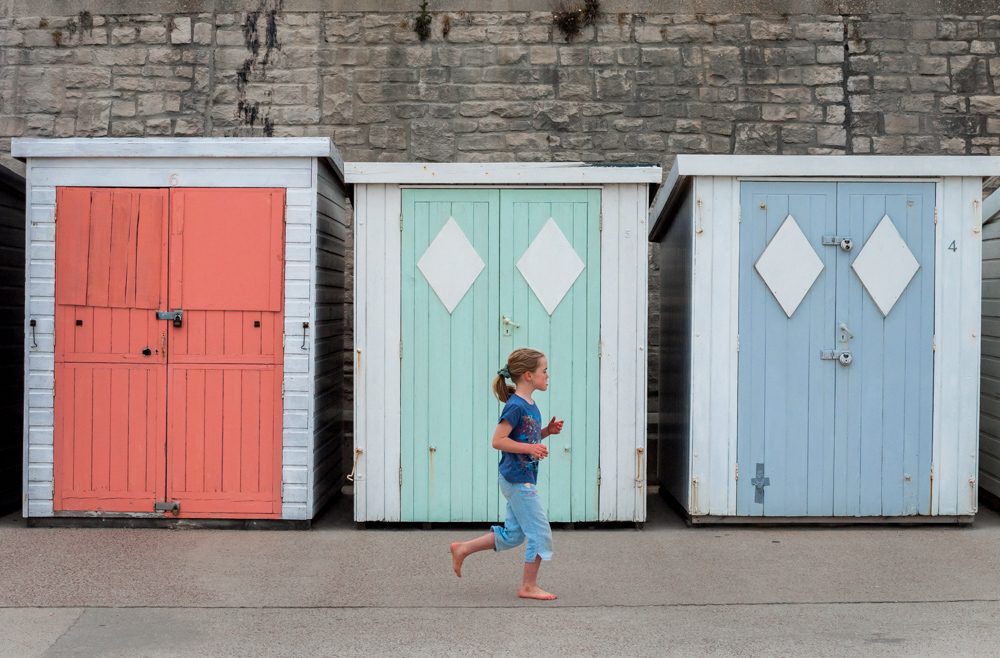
(502, 389)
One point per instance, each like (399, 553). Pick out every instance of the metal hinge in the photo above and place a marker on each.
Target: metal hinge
(400, 476)
(935, 216)
(400, 349)
(167, 506)
(737, 470)
(737, 342)
(600, 350)
(598, 477)
(600, 221)
(282, 390)
(400, 222)
(934, 343)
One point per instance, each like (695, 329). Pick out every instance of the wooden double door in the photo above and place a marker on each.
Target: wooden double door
(485, 271)
(836, 361)
(168, 351)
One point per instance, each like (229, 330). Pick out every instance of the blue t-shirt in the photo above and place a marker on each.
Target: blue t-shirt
(526, 427)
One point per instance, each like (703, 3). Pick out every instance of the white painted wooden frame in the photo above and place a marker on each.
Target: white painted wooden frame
(377, 337)
(715, 336)
(172, 168)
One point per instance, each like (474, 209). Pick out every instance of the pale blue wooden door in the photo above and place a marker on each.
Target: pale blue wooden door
(836, 362)
(786, 406)
(884, 429)
(551, 290)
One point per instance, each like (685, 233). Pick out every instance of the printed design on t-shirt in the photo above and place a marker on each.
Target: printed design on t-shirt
(528, 431)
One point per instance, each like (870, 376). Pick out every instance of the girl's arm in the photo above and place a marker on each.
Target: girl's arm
(503, 442)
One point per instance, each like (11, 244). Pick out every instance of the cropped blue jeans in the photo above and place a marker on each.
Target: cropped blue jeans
(526, 520)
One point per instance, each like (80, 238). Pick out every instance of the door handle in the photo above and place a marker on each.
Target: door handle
(507, 324)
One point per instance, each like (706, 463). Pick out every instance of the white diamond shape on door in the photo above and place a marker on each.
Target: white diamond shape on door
(885, 265)
(451, 265)
(789, 266)
(550, 266)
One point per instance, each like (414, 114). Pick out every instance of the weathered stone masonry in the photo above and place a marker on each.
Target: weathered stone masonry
(640, 86)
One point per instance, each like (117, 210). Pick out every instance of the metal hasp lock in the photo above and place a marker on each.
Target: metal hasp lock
(836, 241)
(759, 483)
(176, 315)
(845, 358)
(171, 506)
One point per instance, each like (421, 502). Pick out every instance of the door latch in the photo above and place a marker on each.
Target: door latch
(508, 324)
(177, 315)
(836, 241)
(171, 506)
(845, 358)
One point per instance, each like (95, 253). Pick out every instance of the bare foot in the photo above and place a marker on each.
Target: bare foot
(457, 558)
(536, 592)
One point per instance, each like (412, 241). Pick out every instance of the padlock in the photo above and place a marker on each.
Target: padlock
(847, 244)
(845, 358)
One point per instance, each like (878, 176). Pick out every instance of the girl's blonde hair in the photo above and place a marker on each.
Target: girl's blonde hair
(520, 361)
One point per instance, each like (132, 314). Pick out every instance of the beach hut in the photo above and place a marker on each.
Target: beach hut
(458, 264)
(184, 330)
(823, 318)
(989, 417)
(11, 336)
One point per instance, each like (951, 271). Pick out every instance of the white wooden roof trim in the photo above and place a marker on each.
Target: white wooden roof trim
(991, 207)
(818, 166)
(179, 147)
(498, 173)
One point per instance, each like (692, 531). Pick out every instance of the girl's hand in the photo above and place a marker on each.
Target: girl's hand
(538, 451)
(554, 427)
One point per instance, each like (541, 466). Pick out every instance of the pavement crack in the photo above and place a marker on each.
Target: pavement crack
(83, 611)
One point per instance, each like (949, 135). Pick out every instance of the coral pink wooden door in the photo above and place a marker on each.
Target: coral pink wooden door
(225, 359)
(110, 377)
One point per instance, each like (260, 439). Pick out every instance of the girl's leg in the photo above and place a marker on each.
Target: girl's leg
(529, 583)
(499, 538)
(463, 549)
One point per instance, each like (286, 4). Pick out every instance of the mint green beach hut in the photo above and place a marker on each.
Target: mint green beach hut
(456, 265)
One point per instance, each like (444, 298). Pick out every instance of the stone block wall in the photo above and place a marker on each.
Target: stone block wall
(647, 81)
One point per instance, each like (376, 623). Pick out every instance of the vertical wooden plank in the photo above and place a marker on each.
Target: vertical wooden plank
(194, 333)
(641, 314)
(232, 415)
(410, 320)
(83, 429)
(969, 331)
(250, 432)
(233, 332)
(270, 425)
(151, 236)
(102, 329)
(132, 248)
(137, 410)
(481, 476)
(610, 292)
(215, 332)
(251, 338)
(495, 351)
(101, 464)
(179, 422)
(360, 334)
(378, 223)
(949, 349)
(121, 213)
(194, 431)
(99, 266)
(393, 391)
(120, 332)
(627, 330)
(214, 420)
(119, 431)
(591, 454)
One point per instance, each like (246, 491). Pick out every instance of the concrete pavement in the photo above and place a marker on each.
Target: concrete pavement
(665, 590)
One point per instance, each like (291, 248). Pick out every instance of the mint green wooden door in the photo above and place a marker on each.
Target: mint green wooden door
(469, 259)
